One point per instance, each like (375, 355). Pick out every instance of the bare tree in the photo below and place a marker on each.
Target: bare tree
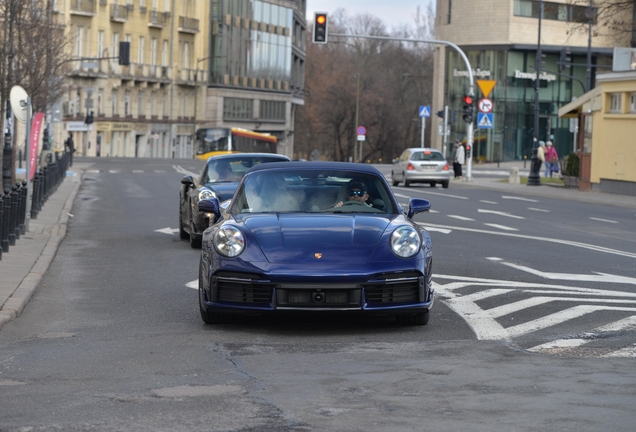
(393, 80)
(614, 18)
(32, 54)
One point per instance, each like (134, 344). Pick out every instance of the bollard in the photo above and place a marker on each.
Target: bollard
(1, 223)
(15, 204)
(514, 176)
(34, 197)
(5, 223)
(11, 220)
(23, 203)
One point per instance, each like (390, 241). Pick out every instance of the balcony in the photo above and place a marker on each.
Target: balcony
(188, 25)
(83, 7)
(157, 19)
(118, 13)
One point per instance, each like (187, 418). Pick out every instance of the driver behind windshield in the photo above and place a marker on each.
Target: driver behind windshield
(356, 191)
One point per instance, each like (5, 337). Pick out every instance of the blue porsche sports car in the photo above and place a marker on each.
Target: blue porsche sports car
(315, 236)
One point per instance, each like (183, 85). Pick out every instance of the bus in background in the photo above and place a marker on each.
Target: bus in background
(218, 141)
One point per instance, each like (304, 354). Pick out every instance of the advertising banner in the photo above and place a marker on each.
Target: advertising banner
(34, 142)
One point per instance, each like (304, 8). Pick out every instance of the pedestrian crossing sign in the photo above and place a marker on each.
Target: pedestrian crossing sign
(425, 111)
(484, 120)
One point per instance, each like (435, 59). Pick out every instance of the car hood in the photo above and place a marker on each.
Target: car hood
(306, 238)
(225, 191)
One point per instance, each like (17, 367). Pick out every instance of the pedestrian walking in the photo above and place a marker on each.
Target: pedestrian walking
(459, 157)
(551, 159)
(541, 155)
(70, 145)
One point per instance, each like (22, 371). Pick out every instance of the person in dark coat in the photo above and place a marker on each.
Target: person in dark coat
(70, 145)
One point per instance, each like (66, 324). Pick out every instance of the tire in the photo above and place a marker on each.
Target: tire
(183, 235)
(406, 182)
(393, 180)
(418, 319)
(195, 241)
(445, 184)
(432, 184)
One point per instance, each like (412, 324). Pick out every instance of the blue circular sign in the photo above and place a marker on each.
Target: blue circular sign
(362, 130)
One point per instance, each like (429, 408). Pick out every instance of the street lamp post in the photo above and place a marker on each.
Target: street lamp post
(535, 164)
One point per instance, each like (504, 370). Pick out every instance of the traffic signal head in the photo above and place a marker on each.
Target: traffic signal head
(440, 114)
(467, 147)
(89, 118)
(467, 109)
(320, 27)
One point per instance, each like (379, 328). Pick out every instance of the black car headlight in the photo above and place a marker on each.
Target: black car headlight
(405, 241)
(229, 241)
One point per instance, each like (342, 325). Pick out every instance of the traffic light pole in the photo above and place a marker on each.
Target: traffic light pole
(471, 82)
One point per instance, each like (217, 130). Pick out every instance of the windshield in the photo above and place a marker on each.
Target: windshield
(313, 191)
(232, 169)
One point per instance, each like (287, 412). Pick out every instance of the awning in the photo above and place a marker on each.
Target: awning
(573, 109)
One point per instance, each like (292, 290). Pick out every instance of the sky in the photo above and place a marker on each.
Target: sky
(391, 12)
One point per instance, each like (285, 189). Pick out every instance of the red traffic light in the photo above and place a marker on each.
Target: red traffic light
(468, 100)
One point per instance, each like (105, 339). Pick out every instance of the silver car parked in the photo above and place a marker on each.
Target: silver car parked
(421, 165)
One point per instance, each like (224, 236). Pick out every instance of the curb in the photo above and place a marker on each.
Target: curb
(16, 303)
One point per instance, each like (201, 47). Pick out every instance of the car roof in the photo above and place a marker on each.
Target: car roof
(317, 165)
(233, 156)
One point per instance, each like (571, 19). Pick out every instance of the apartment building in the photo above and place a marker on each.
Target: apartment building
(500, 39)
(149, 108)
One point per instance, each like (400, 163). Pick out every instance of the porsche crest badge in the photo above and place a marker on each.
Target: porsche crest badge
(318, 255)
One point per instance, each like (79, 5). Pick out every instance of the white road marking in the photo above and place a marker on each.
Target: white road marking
(442, 230)
(193, 284)
(494, 259)
(460, 218)
(181, 170)
(500, 213)
(624, 352)
(603, 220)
(159, 171)
(518, 198)
(427, 192)
(168, 230)
(544, 239)
(539, 210)
(93, 171)
(502, 227)
(509, 308)
(138, 171)
(114, 171)
(487, 202)
(598, 277)
(402, 196)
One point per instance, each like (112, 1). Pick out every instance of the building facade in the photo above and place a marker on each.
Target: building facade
(149, 108)
(257, 66)
(500, 39)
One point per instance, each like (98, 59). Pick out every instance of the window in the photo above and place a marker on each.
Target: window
(140, 103)
(164, 54)
(100, 43)
(554, 11)
(79, 49)
(114, 104)
(615, 103)
(450, 7)
(140, 50)
(185, 62)
(100, 98)
(153, 51)
(272, 110)
(127, 104)
(237, 108)
(115, 47)
(632, 103)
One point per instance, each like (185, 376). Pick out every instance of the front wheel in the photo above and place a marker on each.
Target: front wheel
(393, 180)
(183, 235)
(445, 184)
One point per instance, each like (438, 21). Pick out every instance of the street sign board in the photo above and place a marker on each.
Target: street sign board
(361, 130)
(485, 105)
(425, 111)
(486, 86)
(484, 120)
(361, 138)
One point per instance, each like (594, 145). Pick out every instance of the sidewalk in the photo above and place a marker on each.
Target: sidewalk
(22, 268)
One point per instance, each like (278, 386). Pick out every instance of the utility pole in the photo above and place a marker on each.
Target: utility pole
(588, 70)
(7, 152)
(534, 177)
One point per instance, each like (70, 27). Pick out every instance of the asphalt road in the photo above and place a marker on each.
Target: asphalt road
(532, 328)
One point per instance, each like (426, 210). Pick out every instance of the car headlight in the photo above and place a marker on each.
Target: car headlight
(229, 241)
(405, 241)
(206, 193)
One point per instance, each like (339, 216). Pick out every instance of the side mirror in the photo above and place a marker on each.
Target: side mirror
(418, 205)
(187, 180)
(210, 205)
(395, 161)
